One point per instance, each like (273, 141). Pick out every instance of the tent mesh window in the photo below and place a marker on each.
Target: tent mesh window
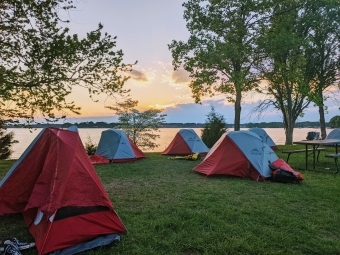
(71, 211)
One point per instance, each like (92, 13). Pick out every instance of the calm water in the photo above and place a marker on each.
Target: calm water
(25, 137)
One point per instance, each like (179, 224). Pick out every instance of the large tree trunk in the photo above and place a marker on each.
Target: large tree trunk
(289, 135)
(237, 119)
(322, 122)
(289, 129)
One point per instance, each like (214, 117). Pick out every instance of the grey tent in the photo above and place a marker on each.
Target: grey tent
(264, 136)
(186, 142)
(115, 146)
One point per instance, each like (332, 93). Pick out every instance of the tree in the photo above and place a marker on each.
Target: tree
(323, 59)
(139, 126)
(220, 52)
(283, 63)
(41, 62)
(90, 146)
(334, 122)
(6, 141)
(301, 48)
(214, 128)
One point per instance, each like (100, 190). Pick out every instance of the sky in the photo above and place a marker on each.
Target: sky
(144, 28)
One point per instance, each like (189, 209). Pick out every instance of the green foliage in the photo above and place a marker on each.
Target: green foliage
(6, 141)
(41, 61)
(299, 59)
(282, 45)
(90, 146)
(220, 52)
(323, 60)
(139, 126)
(214, 127)
(292, 45)
(170, 209)
(334, 122)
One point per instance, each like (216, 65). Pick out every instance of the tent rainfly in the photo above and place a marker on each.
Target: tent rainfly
(334, 134)
(239, 153)
(186, 142)
(56, 188)
(264, 136)
(115, 146)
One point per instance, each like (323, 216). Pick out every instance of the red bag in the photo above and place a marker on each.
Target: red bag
(282, 172)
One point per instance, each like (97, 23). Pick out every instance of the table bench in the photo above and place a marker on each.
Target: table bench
(303, 150)
(335, 156)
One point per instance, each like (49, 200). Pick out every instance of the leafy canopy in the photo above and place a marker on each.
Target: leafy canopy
(139, 125)
(41, 61)
(220, 52)
(292, 46)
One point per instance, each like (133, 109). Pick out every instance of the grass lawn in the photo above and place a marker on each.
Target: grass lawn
(170, 209)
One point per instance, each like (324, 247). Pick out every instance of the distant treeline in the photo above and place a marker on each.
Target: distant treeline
(90, 124)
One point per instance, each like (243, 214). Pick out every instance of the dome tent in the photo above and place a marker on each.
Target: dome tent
(186, 142)
(239, 153)
(54, 185)
(115, 146)
(264, 136)
(334, 134)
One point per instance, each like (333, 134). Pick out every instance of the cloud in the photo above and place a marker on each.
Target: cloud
(138, 75)
(162, 106)
(197, 113)
(180, 76)
(178, 79)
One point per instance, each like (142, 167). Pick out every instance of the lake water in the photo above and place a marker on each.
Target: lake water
(25, 137)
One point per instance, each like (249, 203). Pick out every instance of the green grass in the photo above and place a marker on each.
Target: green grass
(170, 209)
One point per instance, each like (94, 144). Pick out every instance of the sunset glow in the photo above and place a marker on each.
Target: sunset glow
(143, 36)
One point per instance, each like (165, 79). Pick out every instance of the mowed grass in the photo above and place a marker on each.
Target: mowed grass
(170, 209)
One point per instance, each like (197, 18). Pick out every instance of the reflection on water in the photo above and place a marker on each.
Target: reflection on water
(25, 137)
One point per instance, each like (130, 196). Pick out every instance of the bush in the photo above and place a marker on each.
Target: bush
(214, 128)
(90, 147)
(334, 122)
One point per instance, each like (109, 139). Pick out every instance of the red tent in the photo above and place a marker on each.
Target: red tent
(59, 193)
(186, 142)
(177, 147)
(226, 158)
(242, 154)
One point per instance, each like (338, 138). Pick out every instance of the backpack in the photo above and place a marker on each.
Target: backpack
(280, 174)
(311, 135)
(284, 176)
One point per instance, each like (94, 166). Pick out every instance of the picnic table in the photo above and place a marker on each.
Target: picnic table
(315, 145)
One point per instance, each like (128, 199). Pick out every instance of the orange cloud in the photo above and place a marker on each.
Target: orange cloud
(138, 75)
(180, 76)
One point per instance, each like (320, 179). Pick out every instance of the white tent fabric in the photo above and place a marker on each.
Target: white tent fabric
(264, 136)
(114, 144)
(193, 141)
(255, 149)
(334, 134)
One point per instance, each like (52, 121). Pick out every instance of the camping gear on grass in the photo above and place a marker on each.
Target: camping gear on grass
(12, 246)
(311, 135)
(264, 136)
(115, 146)
(186, 142)
(239, 153)
(194, 156)
(282, 172)
(56, 188)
